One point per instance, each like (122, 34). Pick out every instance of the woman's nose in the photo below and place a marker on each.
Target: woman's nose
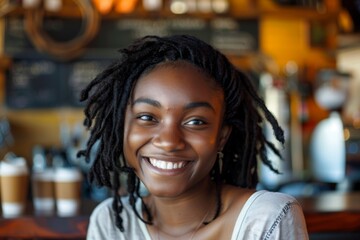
(169, 138)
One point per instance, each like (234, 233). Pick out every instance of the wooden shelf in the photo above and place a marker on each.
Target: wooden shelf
(246, 13)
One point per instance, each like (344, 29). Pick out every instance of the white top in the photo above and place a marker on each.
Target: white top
(265, 215)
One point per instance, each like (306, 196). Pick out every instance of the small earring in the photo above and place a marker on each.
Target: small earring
(220, 155)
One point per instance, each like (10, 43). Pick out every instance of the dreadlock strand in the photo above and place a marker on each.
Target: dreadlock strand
(278, 132)
(144, 206)
(98, 80)
(273, 148)
(132, 192)
(265, 159)
(117, 203)
(245, 160)
(252, 157)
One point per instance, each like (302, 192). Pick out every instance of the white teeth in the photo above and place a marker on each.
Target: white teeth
(166, 165)
(162, 165)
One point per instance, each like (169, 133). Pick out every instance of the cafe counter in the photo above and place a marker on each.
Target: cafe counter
(328, 216)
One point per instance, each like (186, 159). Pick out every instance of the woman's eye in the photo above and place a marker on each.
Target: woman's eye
(195, 122)
(146, 118)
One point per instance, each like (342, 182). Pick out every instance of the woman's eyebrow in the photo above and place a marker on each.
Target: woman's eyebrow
(199, 104)
(188, 106)
(149, 101)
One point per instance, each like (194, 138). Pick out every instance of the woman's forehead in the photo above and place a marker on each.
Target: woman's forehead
(184, 66)
(177, 82)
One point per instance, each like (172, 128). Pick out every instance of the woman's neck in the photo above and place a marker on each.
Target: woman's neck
(184, 214)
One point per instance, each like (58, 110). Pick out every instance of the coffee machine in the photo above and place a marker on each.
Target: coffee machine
(329, 144)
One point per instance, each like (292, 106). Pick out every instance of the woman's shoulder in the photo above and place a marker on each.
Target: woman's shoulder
(240, 198)
(270, 205)
(105, 204)
(272, 198)
(105, 208)
(249, 201)
(273, 214)
(103, 223)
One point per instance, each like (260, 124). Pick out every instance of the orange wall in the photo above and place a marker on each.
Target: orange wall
(289, 40)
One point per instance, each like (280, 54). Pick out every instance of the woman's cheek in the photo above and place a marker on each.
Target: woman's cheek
(133, 141)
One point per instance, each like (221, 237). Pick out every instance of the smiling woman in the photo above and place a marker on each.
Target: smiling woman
(174, 114)
(168, 123)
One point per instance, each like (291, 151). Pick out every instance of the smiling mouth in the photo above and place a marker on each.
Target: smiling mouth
(166, 165)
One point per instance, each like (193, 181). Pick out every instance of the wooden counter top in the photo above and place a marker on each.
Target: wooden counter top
(328, 212)
(31, 226)
(332, 212)
(34, 227)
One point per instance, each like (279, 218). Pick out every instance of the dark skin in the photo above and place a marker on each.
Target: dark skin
(173, 131)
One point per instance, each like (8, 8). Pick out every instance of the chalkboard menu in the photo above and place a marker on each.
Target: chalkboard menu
(33, 84)
(37, 80)
(37, 83)
(79, 74)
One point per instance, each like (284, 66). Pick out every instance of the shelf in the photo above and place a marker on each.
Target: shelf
(236, 12)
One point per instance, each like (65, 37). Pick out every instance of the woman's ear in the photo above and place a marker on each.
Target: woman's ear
(224, 135)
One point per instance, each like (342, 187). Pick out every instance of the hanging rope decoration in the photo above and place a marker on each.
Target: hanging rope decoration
(6, 7)
(65, 50)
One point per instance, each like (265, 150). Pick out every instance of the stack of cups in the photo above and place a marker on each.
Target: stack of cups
(67, 183)
(14, 184)
(43, 191)
(60, 187)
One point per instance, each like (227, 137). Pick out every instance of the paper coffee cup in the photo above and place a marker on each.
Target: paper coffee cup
(43, 192)
(14, 180)
(67, 183)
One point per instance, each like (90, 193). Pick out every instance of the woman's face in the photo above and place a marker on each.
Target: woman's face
(173, 129)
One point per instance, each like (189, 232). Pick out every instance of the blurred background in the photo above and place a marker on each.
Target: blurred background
(303, 57)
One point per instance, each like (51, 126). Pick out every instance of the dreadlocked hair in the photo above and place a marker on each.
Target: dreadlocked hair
(107, 97)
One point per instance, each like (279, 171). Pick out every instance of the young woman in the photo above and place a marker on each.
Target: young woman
(175, 115)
